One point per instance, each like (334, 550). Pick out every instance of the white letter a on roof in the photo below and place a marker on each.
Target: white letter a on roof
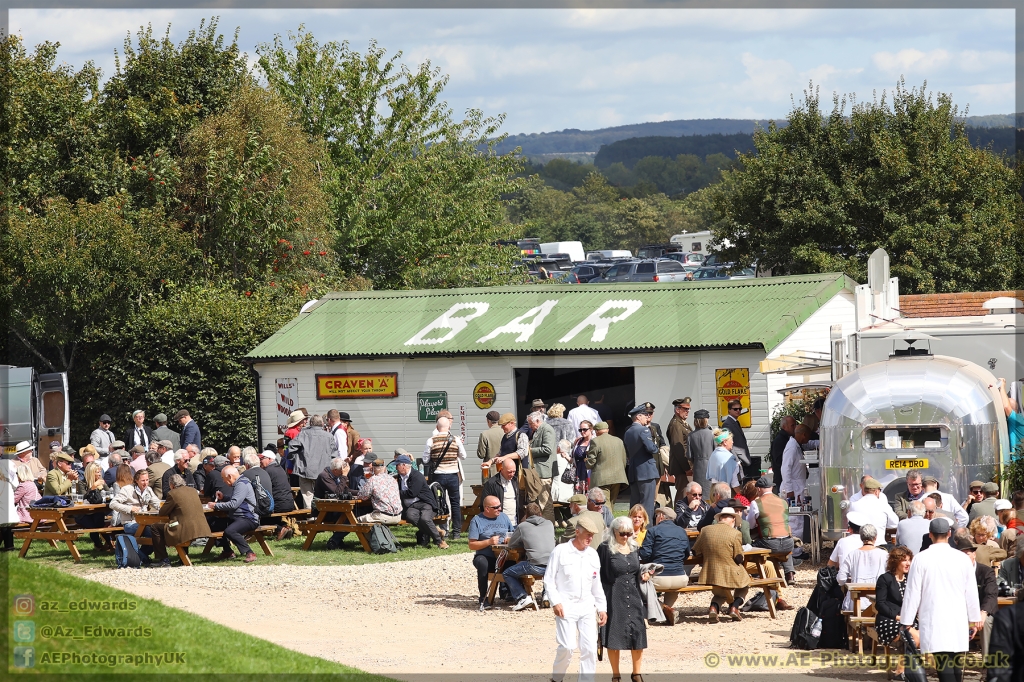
(601, 324)
(517, 325)
(454, 325)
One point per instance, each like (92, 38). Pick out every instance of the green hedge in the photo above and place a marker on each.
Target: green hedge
(185, 353)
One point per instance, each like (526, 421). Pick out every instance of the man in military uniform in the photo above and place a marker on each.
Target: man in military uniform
(677, 432)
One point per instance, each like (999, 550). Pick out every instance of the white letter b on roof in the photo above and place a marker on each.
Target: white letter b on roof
(454, 325)
(601, 324)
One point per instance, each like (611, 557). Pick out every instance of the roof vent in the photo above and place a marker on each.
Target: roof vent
(1003, 305)
(308, 305)
(910, 337)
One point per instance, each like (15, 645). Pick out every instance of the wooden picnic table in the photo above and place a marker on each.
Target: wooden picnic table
(1007, 601)
(145, 519)
(472, 510)
(346, 524)
(60, 531)
(856, 621)
(756, 561)
(514, 554)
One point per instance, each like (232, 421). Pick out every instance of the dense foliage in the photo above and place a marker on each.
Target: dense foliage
(164, 224)
(827, 190)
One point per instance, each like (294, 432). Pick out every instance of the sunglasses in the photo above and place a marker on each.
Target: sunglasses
(494, 506)
(625, 535)
(584, 430)
(695, 494)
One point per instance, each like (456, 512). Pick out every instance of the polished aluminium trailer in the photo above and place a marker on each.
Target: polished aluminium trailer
(937, 414)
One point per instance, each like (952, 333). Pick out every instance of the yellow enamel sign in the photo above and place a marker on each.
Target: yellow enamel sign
(356, 385)
(733, 384)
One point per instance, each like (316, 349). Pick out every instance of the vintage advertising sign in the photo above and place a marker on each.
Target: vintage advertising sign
(287, 391)
(384, 385)
(430, 403)
(906, 464)
(733, 384)
(484, 395)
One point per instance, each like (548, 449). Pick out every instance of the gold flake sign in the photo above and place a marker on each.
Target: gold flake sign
(356, 385)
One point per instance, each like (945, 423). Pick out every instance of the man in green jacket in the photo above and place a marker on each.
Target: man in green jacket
(62, 478)
(544, 449)
(606, 460)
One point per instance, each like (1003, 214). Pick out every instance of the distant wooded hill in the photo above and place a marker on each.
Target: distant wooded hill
(1005, 140)
(573, 140)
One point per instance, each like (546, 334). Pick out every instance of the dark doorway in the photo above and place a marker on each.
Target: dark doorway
(610, 389)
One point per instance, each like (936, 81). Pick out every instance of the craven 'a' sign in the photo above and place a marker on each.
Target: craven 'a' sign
(356, 385)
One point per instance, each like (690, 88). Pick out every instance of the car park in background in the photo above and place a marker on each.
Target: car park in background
(723, 272)
(693, 259)
(586, 272)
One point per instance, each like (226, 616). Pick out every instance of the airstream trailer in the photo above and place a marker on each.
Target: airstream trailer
(917, 411)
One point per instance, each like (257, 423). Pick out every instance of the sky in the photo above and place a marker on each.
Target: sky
(551, 69)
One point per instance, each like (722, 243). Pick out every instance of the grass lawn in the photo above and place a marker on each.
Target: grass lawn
(117, 624)
(285, 552)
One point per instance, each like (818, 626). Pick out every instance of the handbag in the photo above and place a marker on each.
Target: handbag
(914, 668)
(94, 497)
(569, 476)
(529, 481)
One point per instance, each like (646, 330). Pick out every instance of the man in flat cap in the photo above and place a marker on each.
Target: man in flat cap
(949, 503)
(677, 432)
(607, 461)
(62, 478)
(987, 506)
(161, 432)
(876, 506)
(489, 445)
(578, 508)
(102, 437)
(190, 434)
(642, 469)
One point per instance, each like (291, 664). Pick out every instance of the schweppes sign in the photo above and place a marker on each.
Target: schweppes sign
(357, 385)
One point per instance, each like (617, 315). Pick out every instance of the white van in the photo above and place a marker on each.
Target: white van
(574, 249)
(611, 254)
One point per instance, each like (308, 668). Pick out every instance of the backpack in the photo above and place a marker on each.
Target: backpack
(264, 502)
(805, 625)
(382, 541)
(827, 602)
(442, 499)
(126, 551)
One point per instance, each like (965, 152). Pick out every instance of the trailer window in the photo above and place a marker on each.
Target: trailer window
(910, 437)
(53, 410)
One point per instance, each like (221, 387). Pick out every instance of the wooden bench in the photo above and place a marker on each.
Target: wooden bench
(54, 528)
(755, 583)
(856, 620)
(259, 535)
(495, 578)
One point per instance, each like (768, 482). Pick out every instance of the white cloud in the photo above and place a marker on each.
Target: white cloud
(767, 79)
(974, 61)
(910, 60)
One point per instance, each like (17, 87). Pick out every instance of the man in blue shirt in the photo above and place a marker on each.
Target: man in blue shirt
(1014, 419)
(488, 528)
(641, 469)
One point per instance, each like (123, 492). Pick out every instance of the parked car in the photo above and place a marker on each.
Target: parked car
(612, 254)
(695, 259)
(723, 272)
(565, 277)
(590, 271)
(657, 250)
(655, 270)
(616, 273)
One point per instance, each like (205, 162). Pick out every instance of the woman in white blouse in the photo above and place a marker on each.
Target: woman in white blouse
(863, 565)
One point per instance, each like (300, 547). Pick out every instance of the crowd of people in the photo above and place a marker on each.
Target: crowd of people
(695, 499)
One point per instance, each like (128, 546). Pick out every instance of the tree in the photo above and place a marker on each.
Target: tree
(824, 192)
(256, 194)
(421, 197)
(52, 137)
(161, 89)
(79, 267)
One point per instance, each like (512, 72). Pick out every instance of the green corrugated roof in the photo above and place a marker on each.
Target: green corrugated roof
(731, 314)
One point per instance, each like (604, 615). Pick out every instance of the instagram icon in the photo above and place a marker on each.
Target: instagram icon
(24, 605)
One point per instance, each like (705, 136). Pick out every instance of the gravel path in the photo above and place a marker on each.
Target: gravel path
(430, 606)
